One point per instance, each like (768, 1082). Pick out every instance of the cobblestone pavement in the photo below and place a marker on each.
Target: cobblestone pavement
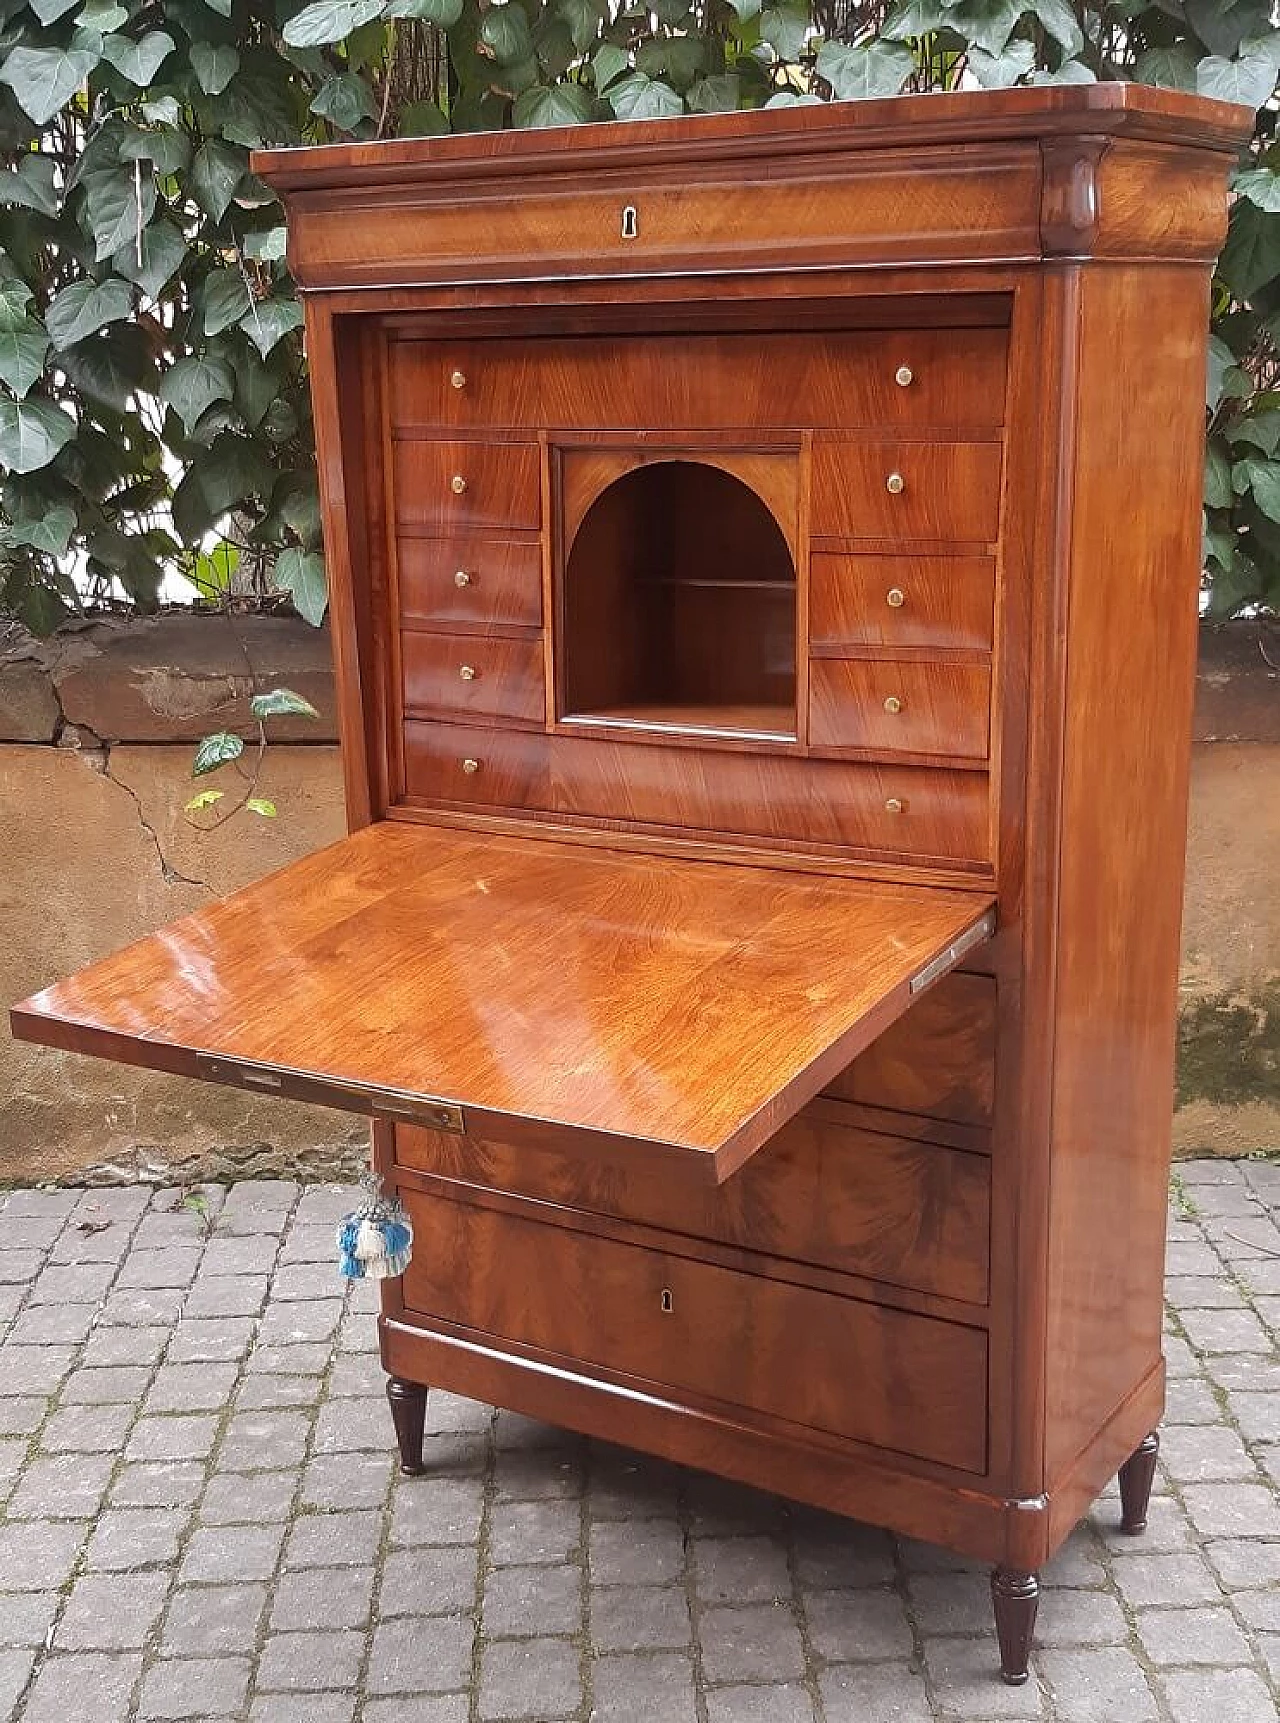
(201, 1516)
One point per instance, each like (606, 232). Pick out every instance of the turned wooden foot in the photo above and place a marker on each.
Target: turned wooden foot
(1016, 1597)
(1136, 1478)
(409, 1415)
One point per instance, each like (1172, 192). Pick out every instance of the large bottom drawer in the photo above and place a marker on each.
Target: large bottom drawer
(899, 810)
(822, 1192)
(908, 1383)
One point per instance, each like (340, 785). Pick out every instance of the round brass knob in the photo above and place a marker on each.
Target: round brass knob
(895, 805)
(467, 672)
(457, 484)
(471, 767)
(462, 578)
(895, 598)
(459, 379)
(893, 705)
(895, 484)
(904, 377)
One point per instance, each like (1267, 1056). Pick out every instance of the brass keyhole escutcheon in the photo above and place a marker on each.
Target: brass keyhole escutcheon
(895, 484)
(459, 379)
(457, 484)
(467, 672)
(895, 598)
(666, 1304)
(893, 705)
(462, 578)
(471, 767)
(904, 377)
(895, 805)
(631, 222)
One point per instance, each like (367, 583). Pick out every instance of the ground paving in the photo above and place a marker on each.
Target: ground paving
(200, 1516)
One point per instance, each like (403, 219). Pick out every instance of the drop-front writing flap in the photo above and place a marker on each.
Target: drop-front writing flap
(635, 1005)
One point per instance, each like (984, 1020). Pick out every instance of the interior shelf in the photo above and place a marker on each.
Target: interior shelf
(769, 723)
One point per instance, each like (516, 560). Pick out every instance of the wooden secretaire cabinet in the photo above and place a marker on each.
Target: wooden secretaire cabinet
(764, 556)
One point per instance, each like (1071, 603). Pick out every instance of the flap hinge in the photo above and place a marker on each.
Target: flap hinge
(945, 960)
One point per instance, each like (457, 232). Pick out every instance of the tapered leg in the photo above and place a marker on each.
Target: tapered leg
(1016, 1597)
(1136, 1478)
(409, 1415)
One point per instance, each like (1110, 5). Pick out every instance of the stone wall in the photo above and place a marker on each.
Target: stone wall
(96, 734)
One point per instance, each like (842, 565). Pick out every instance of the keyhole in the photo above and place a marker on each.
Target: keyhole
(630, 222)
(665, 1301)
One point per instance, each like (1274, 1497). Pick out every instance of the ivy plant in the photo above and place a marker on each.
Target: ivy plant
(153, 404)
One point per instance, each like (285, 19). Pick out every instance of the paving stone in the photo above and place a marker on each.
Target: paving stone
(101, 1244)
(1233, 1510)
(1191, 1400)
(951, 1602)
(310, 1360)
(1100, 1685)
(1182, 1636)
(1204, 1455)
(837, 1554)
(23, 1414)
(347, 1481)
(51, 1325)
(82, 1283)
(522, 1476)
(436, 1581)
(239, 1499)
(447, 1414)
(1168, 1528)
(15, 1671)
(311, 1661)
(889, 1692)
(318, 1708)
(347, 1426)
(226, 1295)
(1168, 1579)
(267, 1392)
(1222, 1695)
(20, 1267)
(530, 1678)
(205, 1387)
(155, 1268)
(759, 1642)
(410, 1658)
(627, 1688)
(158, 1483)
(26, 1617)
(127, 1538)
(111, 1613)
(237, 1256)
(304, 1280)
(1081, 1618)
(32, 1233)
(213, 1620)
(311, 1600)
(427, 1708)
(173, 1436)
(221, 1553)
(39, 1204)
(1225, 1330)
(83, 1687)
(260, 1441)
(61, 1487)
(853, 1627)
(194, 1687)
(1203, 1292)
(140, 1347)
(333, 1540)
(141, 1307)
(740, 1570)
(436, 1511)
(87, 1429)
(759, 1705)
(300, 1323)
(649, 1552)
(720, 1508)
(361, 1374)
(105, 1385)
(967, 1686)
(630, 1617)
(208, 1340)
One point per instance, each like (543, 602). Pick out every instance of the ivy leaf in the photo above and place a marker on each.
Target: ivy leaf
(1060, 22)
(1002, 71)
(15, 296)
(1218, 493)
(856, 73)
(163, 251)
(262, 807)
(102, 16)
(786, 29)
(49, 532)
(31, 433)
(1249, 82)
(214, 64)
(22, 350)
(344, 101)
(1223, 25)
(32, 186)
(219, 479)
(1221, 360)
(300, 573)
(1070, 72)
(642, 98)
(609, 63)
(421, 120)
(1261, 479)
(911, 19)
(583, 19)
(561, 105)
(216, 750)
(281, 703)
(988, 24)
(192, 386)
(718, 94)
(205, 799)
(268, 246)
(328, 21)
(115, 213)
(504, 34)
(224, 298)
(793, 99)
(49, 11)
(215, 175)
(85, 307)
(268, 321)
(167, 149)
(1251, 256)
(445, 13)
(1260, 186)
(45, 79)
(1261, 428)
(138, 61)
(1168, 68)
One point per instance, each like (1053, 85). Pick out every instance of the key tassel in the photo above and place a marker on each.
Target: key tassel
(375, 1242)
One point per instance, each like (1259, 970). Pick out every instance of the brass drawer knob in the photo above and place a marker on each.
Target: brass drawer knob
(471, 767)
(467, 672)
(904, 377)
(462, 578)
(895, 805)
(457, 484)
(895, 484)
(459, 379)
(895, 598)
(893, 705)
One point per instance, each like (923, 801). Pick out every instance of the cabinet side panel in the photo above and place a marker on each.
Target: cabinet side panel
(1134, 568)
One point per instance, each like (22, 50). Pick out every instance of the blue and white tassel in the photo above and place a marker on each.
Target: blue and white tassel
(376, 1241)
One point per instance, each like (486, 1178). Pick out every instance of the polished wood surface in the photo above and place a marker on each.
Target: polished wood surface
(938, 1059)
(906, 490)
(898, 705)
(419, 963)
(909, 1382)
(901, 601)
(480, 584)
(448, 487)
(473, 676)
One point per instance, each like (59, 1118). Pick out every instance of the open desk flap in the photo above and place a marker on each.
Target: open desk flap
(638, 1005)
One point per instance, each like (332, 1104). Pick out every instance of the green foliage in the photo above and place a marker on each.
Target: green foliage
(153, 404)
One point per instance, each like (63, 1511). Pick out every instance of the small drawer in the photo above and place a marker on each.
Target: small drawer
(848, 1368)
(471, 582)
(948, 492)
(898, 705)
(471, 676)
(477, 768)
(901, 601)
(938, 1060)
(823, 1191)
(443, 487)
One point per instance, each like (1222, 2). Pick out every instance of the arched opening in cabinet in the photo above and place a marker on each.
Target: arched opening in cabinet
(679, 607)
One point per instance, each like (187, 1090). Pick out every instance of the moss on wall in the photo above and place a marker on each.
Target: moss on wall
(1229, 1047)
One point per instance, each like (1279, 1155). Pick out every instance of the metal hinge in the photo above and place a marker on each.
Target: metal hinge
(980, 931)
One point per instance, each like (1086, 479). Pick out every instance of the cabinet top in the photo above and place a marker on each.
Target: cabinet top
(916, 122)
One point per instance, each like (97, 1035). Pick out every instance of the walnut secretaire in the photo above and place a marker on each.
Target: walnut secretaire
(764, 555)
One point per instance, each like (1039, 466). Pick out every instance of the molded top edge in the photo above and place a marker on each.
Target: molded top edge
(915, 121)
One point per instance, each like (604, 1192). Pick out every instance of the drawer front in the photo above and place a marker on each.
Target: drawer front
(899, 810)
(895, 704)
(474, 676)
(471, 582)
(823, 1192)
(448, 486)
(884, 378)
(906, 490)
(901, 601)
(939, 1059)
(909, 1383)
